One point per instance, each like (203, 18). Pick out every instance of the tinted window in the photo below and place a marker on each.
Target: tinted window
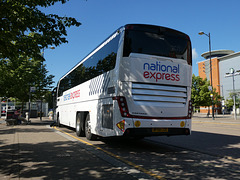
(100, 62)
(154, 40)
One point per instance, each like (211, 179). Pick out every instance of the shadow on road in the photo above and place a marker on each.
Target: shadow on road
(37, 152)
(51, 157)
(200, 158)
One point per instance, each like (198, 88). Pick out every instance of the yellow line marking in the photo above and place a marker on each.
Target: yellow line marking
(114, 155)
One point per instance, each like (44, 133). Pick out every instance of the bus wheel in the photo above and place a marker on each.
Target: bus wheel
(79, 127)
(88, 133)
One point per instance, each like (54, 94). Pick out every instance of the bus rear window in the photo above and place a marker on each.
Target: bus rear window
(161, 42)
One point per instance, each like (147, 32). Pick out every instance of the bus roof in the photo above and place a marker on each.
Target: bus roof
(142, 27)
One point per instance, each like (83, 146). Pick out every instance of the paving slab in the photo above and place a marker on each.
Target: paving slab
(35, 151)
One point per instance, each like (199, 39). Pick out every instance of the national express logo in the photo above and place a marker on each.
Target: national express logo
(158, 71)
(73, 95)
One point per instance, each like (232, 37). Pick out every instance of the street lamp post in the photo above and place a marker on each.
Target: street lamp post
(210, 56)
(221, 86)
(222, 97)
(232, 73)
(40, 89)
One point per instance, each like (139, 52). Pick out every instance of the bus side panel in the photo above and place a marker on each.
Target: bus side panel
(91, 97)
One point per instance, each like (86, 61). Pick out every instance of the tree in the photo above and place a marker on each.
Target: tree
(229, 102)
(200, 93)
(21, 17)
(24, 32)
(21, 74)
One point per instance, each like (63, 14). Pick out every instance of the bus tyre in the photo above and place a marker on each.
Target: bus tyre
(58, 121)
(79, 126)
(88, 133)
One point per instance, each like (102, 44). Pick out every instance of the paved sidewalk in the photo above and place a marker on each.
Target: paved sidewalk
(227, 118)
(35, 151)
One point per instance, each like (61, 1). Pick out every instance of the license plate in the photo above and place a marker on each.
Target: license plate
(159, 129)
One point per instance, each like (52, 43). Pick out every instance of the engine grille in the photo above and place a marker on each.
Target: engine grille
(159, 95)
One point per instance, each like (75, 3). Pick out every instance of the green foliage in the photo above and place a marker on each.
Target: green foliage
(21, 17)
(229, 102)
(24, 32)
(19, 75)
(200, 93)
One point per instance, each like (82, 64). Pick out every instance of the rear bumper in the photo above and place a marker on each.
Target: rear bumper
(134, 132)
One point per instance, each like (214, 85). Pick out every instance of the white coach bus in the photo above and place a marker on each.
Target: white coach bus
(136, 83)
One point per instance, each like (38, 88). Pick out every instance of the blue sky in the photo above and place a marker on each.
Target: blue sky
(100, 18)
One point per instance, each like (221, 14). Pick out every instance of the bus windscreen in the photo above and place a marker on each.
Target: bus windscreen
(158, 41)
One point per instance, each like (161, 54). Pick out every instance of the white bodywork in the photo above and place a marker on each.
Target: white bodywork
(156, 89)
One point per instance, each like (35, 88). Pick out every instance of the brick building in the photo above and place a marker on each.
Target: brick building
(222, 61)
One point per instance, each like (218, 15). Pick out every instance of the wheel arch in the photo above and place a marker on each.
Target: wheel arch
(83, 115)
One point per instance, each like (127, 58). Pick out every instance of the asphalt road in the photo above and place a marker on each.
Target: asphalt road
(211, 152)
(217, 138)
(38, 151)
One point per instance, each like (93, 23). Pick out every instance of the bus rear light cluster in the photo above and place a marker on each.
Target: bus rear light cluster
(122, 103)
(190, 109)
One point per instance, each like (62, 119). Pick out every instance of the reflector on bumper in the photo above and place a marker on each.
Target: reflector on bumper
(121, 125)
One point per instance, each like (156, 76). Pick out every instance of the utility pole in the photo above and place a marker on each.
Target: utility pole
(211, 82)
